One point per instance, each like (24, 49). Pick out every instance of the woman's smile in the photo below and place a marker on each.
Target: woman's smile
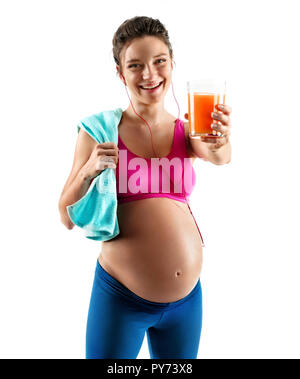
(153, 88)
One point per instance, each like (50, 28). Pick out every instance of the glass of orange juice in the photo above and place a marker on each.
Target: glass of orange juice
(203, 96)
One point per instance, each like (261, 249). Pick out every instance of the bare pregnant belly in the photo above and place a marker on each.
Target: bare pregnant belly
(158, 253)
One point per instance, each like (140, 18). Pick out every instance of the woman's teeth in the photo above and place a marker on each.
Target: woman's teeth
(149, 88)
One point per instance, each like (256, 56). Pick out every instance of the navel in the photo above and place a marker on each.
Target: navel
(178, 273)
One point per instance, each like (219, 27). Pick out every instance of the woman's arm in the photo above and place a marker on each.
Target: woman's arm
(75, 191)
(195, 151)
(78, 182)
(219, 156)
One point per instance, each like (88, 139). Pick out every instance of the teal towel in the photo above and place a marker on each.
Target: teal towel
(96, 211)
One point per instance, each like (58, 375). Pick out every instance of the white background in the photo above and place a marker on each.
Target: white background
(56, 68)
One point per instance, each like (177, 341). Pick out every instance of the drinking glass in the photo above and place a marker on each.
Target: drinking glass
(203, 96)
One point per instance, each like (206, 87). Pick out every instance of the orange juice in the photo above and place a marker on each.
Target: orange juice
(200, 106)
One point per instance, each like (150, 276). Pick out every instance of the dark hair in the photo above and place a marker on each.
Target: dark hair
(138, 27)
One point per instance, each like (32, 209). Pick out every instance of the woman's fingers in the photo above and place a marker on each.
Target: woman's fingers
(224, 108)
(221, 117)
(223, 129)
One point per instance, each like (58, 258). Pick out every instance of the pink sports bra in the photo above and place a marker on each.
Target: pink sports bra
(172, 176)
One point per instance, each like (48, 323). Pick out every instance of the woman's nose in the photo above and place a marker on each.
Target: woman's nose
(148, 72)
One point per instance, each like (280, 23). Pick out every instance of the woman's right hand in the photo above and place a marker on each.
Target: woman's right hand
(104, 155)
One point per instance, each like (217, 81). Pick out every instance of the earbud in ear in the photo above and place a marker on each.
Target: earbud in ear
(123, 78)
(121, 74)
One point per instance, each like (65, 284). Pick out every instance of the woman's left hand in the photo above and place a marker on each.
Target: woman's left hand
(221, 124)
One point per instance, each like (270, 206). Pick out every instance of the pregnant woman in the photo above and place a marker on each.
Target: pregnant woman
(147, 277)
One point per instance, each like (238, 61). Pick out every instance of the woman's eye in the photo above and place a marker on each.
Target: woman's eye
(158, 60)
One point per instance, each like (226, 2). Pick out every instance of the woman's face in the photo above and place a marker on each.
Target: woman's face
(146, 62)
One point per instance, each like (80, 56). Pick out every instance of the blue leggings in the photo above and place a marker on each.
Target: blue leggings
(118, 319)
